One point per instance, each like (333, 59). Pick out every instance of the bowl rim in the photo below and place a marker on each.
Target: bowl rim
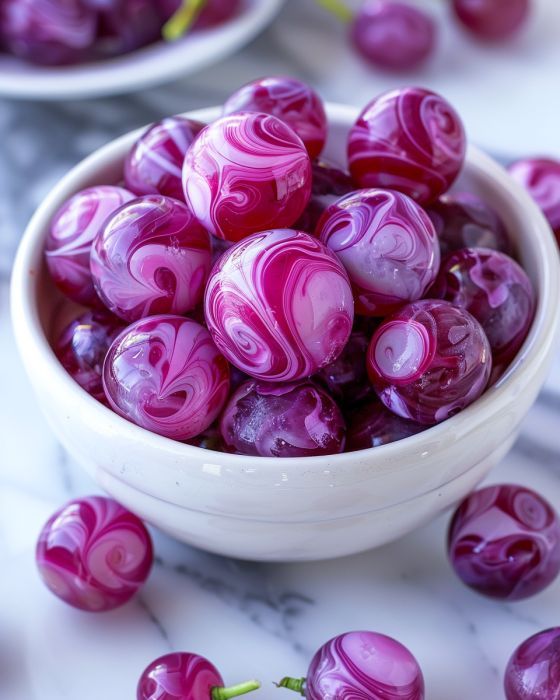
(32, 341)
(152, 65)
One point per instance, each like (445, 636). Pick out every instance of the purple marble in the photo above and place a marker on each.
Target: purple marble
(155, 162)
(393, 35)
(533, 671)
(492, 20)
(48, 32)
(151, 257)
(70, 237)
(93, 554)
(373, 425)
(329, 183)
(126, 25)
(346, 378)
(282, 420)
(289, 99)
(364, 665)
(504, 542)
(247, 173)
(165, 374)
(541, 177)
(279, 305)
(179, 676)
(496, 291)
(429, 361)
(387, 244)
(82, 346)
(410, 140)
(463, 220)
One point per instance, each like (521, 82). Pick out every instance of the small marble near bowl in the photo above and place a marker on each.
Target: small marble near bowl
(285, 509)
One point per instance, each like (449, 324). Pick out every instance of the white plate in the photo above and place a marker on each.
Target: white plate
(155, 64)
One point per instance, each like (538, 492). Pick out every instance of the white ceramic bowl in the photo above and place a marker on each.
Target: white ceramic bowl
(153, 65)
(285, 509)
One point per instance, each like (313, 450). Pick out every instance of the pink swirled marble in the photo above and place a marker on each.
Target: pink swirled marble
(246, 173)
(151, 257)
(410, 140)
(463, 220)
(373, 425)
(289, 99)
(346, 378)
(282, 420)
(70, 237)
(429, 361)
(504, 542)
(387, 244)
(541, 177)
(364, 666)
(179, 676)
(165, 374)
(49, 32)
(155, 162)
(93, 554)
(82, 346)
(496, 291)
(279, 305)
(533, 671)
(393, 35)
(329, 183)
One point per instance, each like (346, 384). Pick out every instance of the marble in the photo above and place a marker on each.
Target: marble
(249, 619)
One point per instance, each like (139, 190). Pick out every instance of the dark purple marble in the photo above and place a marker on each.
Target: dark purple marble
(504, 542)
(373, 425)
(346, 378)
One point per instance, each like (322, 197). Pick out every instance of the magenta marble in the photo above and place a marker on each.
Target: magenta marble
(410, 140)
(463, 220)
(504, 542)
(179, 676)
(496, 291)
(151, 257)
(47, 32)
(93, 554)
(346, 378)
(69, 239)
(282, 420)
(279, 305)
(329, 183)
(393, 35)
(289, 99)
(492, 20)
(155, 162)
(82, 346)
(541, 177)
(247, 173)
(165, 374)
(373, 425)
(387, 244)
(363, 666)
(429, 361)
(533, 671)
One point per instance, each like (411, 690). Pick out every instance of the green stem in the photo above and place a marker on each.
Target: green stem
(338, 8)
(297, 684)
(234, 690)
(183, 19)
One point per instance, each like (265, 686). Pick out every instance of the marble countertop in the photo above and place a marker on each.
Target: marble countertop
(250, 619)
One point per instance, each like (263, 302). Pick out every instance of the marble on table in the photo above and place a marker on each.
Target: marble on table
(250, 619)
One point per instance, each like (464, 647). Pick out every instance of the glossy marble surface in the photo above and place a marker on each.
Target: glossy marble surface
(263, 620)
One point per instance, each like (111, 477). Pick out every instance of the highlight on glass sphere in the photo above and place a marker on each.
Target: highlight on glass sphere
(504, 542)
(93, 554)
(533, 671)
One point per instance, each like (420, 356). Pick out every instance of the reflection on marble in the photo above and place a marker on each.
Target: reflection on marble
(251, 620)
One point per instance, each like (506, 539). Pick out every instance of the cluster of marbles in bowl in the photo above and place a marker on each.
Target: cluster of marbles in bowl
(254, 298)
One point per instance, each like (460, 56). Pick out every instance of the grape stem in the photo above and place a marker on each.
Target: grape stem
(234, 690)
(179, 24)
(337, 8)
(297, 684)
